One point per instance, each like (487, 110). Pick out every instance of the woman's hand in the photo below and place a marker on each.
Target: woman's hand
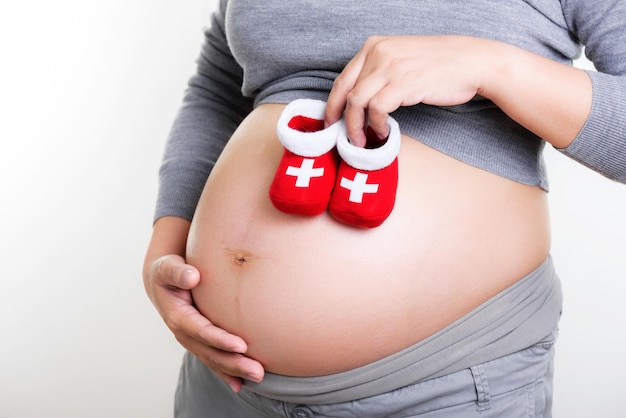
(168, 281)
(548, 98)
(393, 71)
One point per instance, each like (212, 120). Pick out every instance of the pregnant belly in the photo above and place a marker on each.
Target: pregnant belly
(311, 296)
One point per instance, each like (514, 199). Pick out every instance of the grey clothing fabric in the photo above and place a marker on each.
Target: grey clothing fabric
(497, 361)
(258, 52)
(519, 385)
(514, 319)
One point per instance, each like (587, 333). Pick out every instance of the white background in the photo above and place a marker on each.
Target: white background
(88, 91)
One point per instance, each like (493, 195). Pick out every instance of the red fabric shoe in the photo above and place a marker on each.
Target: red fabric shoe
(367, 180)
(306, 173)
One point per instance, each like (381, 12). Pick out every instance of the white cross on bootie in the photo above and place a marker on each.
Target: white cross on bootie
(367, 180)
(306, 173)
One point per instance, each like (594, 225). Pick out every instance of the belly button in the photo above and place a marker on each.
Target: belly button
(240, 258)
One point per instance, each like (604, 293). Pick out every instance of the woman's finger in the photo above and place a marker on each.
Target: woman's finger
(343, 84)
(369, 104)
(225, 363)
(386, 101)
(172, 271)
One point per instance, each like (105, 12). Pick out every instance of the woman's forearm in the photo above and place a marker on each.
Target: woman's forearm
(169, 236)
(551, 99)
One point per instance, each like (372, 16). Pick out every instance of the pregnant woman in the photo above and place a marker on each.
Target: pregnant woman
(450, 306)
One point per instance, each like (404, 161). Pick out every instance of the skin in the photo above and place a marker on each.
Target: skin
(552, 100)
(168, 281)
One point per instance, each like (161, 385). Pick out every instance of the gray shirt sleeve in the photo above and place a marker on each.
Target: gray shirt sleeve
(601, 143)
(214, 104)
(213, 107)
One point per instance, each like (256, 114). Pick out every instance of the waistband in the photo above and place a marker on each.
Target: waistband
(514, 319)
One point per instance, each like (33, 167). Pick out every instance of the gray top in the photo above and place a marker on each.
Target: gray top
(521, 316)
(257, 52)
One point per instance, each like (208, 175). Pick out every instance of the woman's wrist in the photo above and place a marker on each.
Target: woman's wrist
(551, 99)
(169, 237)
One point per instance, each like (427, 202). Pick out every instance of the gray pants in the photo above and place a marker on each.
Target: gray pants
(514, 386)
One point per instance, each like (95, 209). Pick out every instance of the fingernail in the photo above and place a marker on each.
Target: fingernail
(186, 277)
(254, 378)
(383, 136)
(360, 140)
(234, 387)
(238, 348)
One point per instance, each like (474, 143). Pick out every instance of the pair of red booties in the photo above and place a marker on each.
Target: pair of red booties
(320, 168)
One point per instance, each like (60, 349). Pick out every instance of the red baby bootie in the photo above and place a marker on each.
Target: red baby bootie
(306, 173)
(367, 179)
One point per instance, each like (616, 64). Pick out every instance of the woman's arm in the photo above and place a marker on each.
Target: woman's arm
(213, 106)
(548, 98)
(570, 108)
(168, 280)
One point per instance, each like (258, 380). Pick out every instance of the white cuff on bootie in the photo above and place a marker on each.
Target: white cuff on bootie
(371, 159)
(307, 144)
